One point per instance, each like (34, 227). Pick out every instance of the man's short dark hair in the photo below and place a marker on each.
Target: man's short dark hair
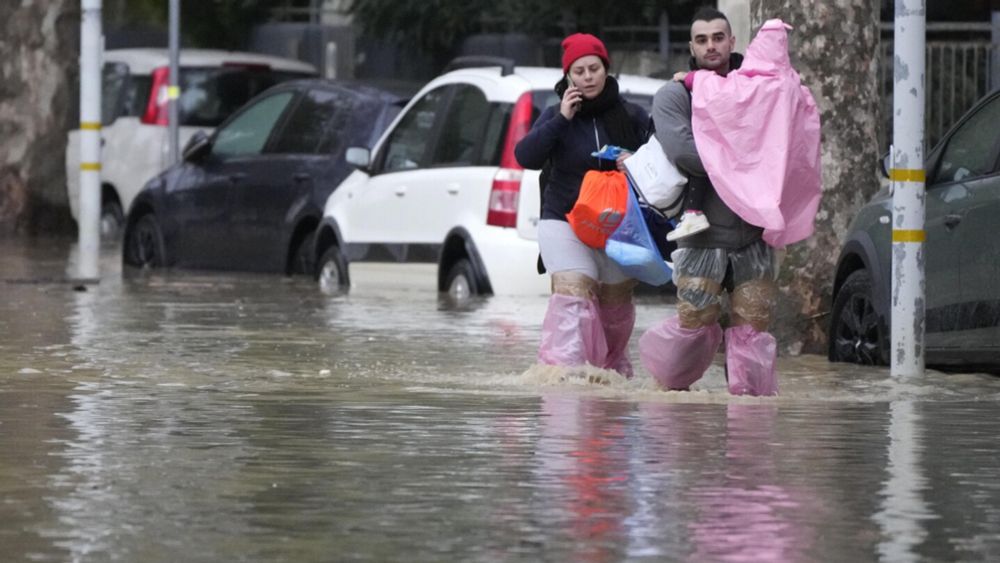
(707, 14)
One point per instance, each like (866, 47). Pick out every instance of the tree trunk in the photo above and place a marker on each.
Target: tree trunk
(38, 99)
(835, 48)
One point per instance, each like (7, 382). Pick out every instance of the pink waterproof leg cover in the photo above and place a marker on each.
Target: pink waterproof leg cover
(678, 356)
(571, 333)
(618, 321)
(750, 359)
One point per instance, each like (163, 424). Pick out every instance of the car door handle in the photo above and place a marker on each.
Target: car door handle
(952, 220)
(453, 189)
(238, 177)
(401, 191)
(300, 176)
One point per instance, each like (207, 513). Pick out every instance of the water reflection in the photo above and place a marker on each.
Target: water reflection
(903, 508)
(193, 417)
(747, 513)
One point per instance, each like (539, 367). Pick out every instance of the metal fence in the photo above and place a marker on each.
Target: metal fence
(958, 72)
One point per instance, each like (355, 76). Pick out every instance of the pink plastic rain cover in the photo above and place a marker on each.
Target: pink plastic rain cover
(758, 134)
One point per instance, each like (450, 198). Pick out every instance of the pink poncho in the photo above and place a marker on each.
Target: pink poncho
(757, 131)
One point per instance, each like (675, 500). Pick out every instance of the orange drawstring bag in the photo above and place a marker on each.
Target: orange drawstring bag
(599, 208)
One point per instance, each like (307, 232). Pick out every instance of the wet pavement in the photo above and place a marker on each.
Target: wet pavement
(219, 417)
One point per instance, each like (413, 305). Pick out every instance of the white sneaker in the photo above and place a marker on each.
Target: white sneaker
(692, 222)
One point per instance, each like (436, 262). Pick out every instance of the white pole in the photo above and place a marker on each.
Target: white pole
(907, 175)
(89, 225)
(995, 43)
(173, 90)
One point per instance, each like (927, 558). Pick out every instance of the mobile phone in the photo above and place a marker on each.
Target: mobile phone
(569, 84)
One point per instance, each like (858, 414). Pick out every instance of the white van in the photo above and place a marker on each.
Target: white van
(134, 132)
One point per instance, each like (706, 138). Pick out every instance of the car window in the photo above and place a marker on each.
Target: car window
(315, 124)
(114, 80)
(135, 97)
(495, 133)
(406, 147)
(210, 95)
(463, 128)
(248, 132)
(971, 149)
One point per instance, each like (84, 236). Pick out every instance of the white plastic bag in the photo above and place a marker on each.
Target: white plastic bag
(659, 181)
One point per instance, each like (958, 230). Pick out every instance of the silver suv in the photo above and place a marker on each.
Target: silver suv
(961, 256)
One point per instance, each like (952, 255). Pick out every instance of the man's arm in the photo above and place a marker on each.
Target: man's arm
(672, 117)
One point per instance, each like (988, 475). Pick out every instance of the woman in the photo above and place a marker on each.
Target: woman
(590, 314)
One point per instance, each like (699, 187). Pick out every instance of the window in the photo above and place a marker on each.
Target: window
(463, 129)
(971, 150)
(136, 95)
(314, 126)
(248, 132)
(210, 95)
(114, 80)
(406, 148)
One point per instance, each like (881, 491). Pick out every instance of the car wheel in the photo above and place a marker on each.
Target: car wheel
(460, 282)
(857, 335)
(144, 247)
(111, 220)
(331, 272)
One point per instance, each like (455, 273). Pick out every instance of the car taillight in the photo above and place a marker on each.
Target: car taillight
(156, 109)
(507, 182)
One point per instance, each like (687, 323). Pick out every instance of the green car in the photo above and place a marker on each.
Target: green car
(961, 256)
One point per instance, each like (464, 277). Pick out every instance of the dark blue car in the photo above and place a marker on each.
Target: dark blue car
(250, 196)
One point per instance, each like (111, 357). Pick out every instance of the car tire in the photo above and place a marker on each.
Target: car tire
(331, 272)
(144, 247)
(460, 283)
(112, 219)
(857, 333)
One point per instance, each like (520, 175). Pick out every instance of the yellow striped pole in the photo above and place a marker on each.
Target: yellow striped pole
(907, 321)
(89, 216)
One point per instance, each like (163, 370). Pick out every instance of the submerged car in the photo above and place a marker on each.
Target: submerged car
(134, 136)
(442, 186)
(961, 256)
(250, 196)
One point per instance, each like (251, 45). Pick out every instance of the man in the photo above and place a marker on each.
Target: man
(730, 255)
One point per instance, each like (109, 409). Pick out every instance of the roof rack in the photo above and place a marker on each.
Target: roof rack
(474, 61)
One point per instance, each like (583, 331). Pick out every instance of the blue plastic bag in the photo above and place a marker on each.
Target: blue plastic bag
(608, 152)
(632, 247)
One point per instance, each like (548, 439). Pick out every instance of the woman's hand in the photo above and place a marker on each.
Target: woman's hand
(571, 100)
(620, 161)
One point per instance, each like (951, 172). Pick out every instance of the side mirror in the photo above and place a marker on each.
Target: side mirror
(197, 147)
(359, 157)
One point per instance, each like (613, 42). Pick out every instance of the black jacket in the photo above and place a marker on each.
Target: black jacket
(568, 144)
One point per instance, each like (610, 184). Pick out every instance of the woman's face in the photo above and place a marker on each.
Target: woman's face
(589, 75)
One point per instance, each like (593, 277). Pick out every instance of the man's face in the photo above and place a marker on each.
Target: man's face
(711, 44)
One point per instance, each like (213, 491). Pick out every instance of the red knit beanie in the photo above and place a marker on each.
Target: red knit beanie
(580, 45)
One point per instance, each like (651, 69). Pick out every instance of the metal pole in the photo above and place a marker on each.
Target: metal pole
(173, 90)
(995, 43)
(89, 226)
(908, 178)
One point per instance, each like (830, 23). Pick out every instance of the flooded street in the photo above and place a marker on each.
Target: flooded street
(220, 417)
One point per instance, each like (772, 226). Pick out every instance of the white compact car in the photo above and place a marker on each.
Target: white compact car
(134, 133)
(442, 186)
